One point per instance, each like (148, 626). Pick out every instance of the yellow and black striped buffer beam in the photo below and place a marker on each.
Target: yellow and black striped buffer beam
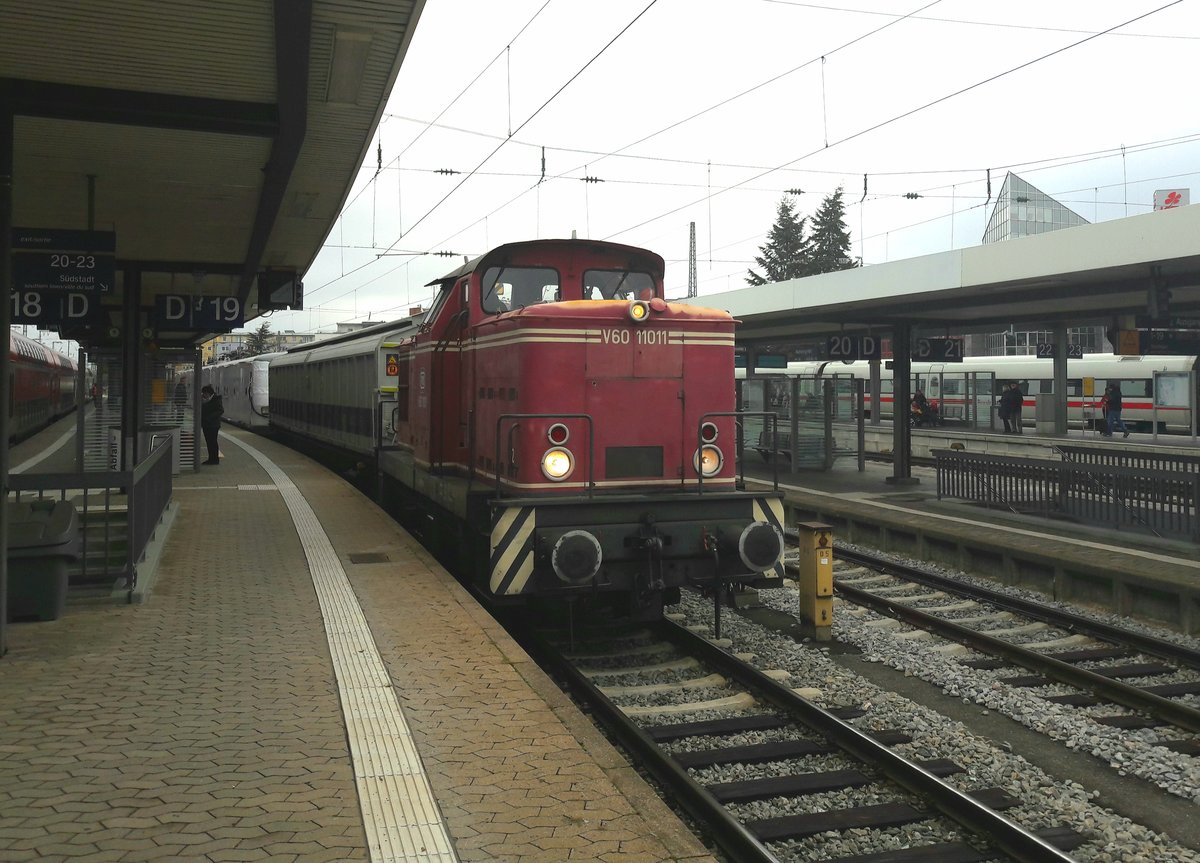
(512, 550)
(770, 510)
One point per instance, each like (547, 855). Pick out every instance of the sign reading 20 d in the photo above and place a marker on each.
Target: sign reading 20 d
(210, 314)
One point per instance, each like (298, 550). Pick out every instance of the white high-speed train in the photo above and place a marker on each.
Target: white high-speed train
(948, 385)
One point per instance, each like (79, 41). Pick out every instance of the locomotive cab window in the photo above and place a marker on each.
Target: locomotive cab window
(506, 288)
(617, 285)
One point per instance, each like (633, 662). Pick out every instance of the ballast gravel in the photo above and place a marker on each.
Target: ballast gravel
(1046, 802)
(1129, 751)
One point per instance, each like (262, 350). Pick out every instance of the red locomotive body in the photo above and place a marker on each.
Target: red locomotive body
(579, 428)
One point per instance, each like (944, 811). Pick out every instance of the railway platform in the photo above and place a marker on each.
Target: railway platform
(1126, 571)
(302, 683)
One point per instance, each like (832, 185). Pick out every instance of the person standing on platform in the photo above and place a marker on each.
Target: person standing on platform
(1016, 402)
(1104, 432)
(1115, 400)
(211, 411)
(1010, 409)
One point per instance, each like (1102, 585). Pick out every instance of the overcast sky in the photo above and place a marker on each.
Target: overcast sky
(708, 112)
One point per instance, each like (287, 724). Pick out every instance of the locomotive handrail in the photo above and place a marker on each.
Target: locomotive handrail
(773, 416)
(591, 484)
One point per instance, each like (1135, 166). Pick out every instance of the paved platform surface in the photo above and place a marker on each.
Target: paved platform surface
(205, 724)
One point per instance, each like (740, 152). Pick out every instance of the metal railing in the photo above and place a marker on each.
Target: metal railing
(1135, 458)
(140, 495)
(1165, 502)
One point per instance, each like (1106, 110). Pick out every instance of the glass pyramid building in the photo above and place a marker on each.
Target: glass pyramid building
(1021, 210)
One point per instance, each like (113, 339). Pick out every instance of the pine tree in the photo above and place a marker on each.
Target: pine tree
(829, 242)
(786, 254)
(258, 343)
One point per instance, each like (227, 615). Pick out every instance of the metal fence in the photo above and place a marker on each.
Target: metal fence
(1140, 459)
(1165, 502)
(119, 511)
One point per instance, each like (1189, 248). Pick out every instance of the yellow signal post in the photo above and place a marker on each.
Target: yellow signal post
(815, 577)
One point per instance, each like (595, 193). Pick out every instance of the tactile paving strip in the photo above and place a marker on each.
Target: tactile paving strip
(399, 810)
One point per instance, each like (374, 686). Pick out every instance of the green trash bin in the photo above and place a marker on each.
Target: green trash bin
(43, 537)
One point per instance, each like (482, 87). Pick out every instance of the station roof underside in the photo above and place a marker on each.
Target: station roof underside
(222, 136)
(1083, 276)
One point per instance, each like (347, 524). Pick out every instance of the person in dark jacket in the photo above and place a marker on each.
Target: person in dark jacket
(1011, 402)
(211, 411)
(1115, 400)
(1015, 406)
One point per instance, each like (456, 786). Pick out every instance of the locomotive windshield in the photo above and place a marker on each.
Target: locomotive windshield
(617, 285)
(507, 288)
(503, 289)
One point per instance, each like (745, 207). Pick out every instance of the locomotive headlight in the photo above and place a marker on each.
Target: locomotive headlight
(639, 311)
(708, 432)
(708, 460)
(557, 463)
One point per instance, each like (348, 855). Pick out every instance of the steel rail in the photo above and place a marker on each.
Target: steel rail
(729, 834)
(1149, 644)
(1179, 715)
(1005, 834)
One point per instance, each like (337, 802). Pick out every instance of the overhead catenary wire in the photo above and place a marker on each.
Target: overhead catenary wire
(745, 183)
(910, 112)
(531, 117)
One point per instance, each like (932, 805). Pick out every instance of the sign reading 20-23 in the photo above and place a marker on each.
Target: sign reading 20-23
(60, 275)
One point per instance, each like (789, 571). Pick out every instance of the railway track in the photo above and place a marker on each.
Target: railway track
(768, 773)
(1157, 680)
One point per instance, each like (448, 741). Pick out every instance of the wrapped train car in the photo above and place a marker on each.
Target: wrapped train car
(244, 389)
(560, 424)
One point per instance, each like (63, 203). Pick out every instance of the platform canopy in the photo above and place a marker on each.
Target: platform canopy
(1100, 274)
(215, 139)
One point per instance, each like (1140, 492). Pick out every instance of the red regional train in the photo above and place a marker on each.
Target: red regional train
(41, 385)
(571, 433)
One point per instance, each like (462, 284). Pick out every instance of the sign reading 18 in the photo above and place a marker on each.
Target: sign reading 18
(73, 262)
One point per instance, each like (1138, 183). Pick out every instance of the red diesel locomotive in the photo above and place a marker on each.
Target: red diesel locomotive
(576, 430)
(554, 422)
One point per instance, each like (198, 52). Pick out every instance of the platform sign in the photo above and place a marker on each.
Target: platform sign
(938, 350)
(1169, 322)
(1159, 343)
(52, 309)
(1167, 343)
(851, 348)
(770, 361)
(1049, 350)
(48, 259)
(206, 314)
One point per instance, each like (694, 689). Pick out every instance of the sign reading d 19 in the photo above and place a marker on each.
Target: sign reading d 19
(50, 259)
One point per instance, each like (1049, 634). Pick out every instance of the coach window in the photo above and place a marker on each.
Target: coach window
(617, 285)
(506, 288)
